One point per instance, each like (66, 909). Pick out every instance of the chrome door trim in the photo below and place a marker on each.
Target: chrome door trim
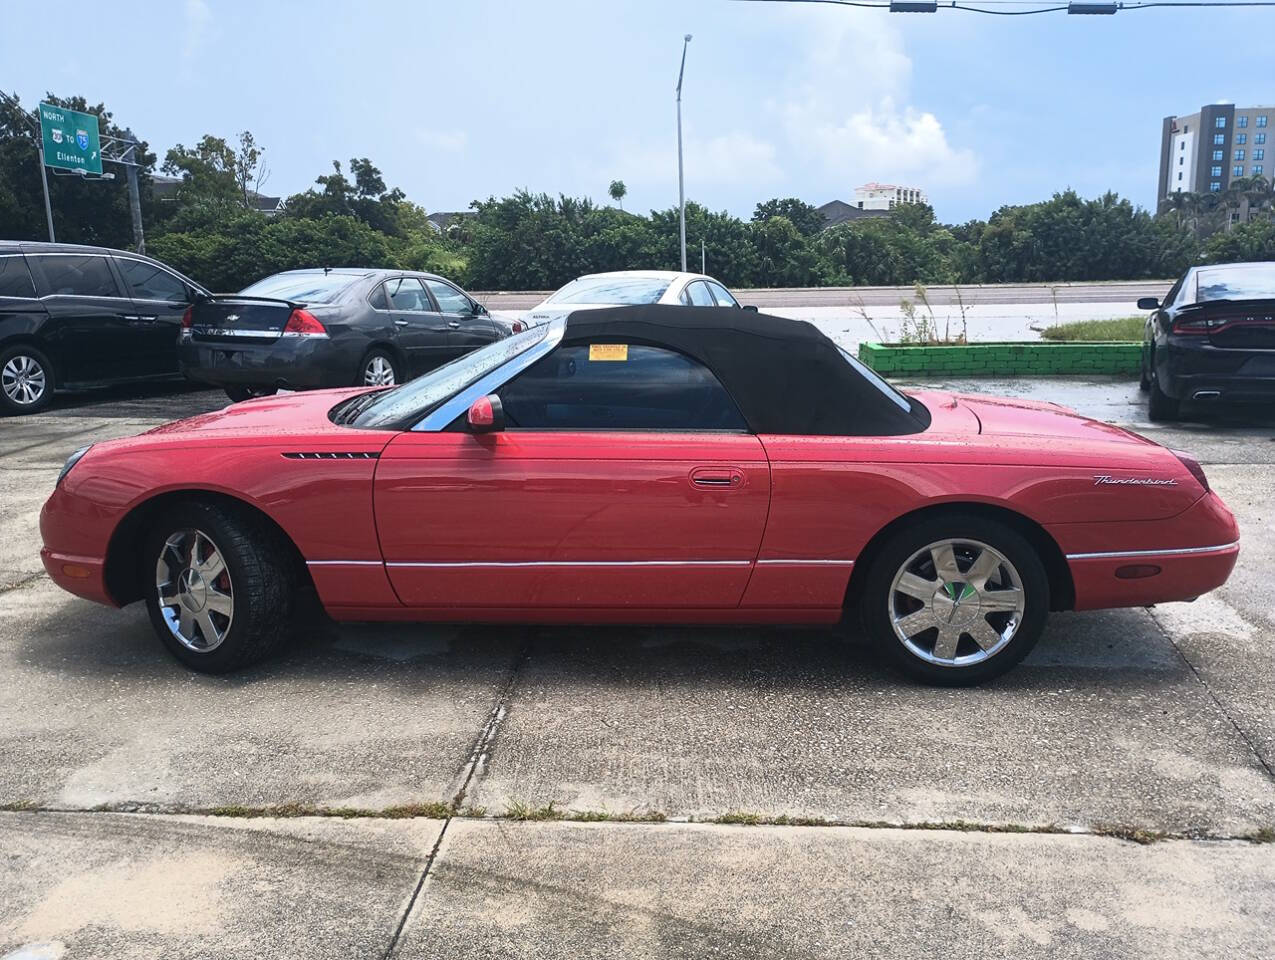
(805, 563)
(573, 563)
(1183, 551)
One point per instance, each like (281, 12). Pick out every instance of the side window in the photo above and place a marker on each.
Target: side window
(722, 295)
(700, 297)
(15, 278)
(149, 282)
(617, 386)
(1173, 292)
(406, 293)
(450, 300)
(77, 276)
(378, 299)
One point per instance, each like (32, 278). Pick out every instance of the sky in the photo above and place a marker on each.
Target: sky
(462, 100)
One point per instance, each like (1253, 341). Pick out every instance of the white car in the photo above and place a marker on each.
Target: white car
(623, 288)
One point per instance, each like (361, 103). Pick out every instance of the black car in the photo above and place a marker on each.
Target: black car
(307, 329)
(74, 316)
(1212, 339)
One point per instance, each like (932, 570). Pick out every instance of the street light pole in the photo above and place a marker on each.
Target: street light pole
(681, 188)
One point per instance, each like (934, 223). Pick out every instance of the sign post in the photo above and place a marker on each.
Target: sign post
(70, 139)
(48, 207)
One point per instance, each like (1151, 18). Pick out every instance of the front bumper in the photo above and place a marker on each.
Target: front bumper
(294, 363)
(1189, 370)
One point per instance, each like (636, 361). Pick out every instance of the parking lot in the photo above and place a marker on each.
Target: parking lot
(747, 792)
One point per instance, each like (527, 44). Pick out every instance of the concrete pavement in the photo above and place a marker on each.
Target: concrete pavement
(1124, 722)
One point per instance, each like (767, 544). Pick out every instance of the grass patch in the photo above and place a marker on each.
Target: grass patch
(1119, 328)
(1132, 834)
(517, 810)
(435, 810)
(1264, 835)
(20, 806)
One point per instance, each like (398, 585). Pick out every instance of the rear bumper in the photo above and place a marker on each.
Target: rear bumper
(1186, 368)
(296, 363)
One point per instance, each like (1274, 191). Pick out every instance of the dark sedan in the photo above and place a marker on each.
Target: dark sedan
(1212, 339)
(307, 329)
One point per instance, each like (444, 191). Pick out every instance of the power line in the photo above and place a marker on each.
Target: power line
(1032, 7)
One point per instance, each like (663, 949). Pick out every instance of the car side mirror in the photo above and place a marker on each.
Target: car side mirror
(750, 307)
(1148, 303)
(478, 310)
(486, 415)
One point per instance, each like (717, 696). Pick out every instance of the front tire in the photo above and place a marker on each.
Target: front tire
(956, 600)
(239, 394)
(26, 380)
(221, 585)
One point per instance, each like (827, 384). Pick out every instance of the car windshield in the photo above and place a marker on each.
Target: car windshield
(1245, 281)
(414, 399)
(620, 291)
(306, 287)
(875, 379)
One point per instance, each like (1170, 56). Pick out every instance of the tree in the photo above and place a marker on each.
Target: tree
(618, 191)
(805, 217)
(365, 198)
(1250, 241)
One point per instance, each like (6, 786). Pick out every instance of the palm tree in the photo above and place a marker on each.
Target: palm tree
(1232, 200)
(1178, 202)
(617, 191)
(1257, 194)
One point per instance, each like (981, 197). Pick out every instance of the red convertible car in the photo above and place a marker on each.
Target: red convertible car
(640, 464)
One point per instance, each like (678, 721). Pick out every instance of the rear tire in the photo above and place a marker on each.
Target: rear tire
(379, 369)
(1160, 406)
(1144, 378)
(26, 380)
(955, 600)
(220, 586)
(240, 394)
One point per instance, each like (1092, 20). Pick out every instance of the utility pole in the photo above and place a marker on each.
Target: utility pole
(681, 189)
(702, 260)
(44, 178)
(134, 192)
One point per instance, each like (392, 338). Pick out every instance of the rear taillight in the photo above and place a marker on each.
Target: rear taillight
(1202, 326)
(302, 323)
(1194, 467)
(188, 321)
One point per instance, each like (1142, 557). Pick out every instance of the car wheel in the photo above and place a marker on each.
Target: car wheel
(1161, 406)
(956, 601)
(240, 394)
(220, 587)
(379, 369)
(1144, 378)
(26, 380)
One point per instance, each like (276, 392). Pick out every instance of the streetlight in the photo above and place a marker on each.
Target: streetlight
(681, 191)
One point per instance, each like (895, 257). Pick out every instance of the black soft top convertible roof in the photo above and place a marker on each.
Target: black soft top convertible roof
(785, 376)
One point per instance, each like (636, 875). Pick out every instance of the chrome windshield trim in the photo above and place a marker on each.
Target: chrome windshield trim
(1152, 553)
(577, 563)
(460, 402)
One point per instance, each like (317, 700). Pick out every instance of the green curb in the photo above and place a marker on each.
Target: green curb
(1044, 358)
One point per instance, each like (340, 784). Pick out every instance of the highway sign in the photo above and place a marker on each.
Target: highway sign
(70, 139)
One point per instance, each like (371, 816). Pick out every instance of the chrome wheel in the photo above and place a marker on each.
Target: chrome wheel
(379, 372)
(196, 598)
(23, 380)
(956, 602)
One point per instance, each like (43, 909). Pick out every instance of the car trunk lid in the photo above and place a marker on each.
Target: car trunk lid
(1001, 416)
(240, 319)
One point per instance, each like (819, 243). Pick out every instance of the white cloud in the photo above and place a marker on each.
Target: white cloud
(448, 141)
(848, 105)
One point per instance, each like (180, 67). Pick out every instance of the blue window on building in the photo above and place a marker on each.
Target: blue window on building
(1259, 154)
(1220, 123)
(1259, 138)
(1219, 139)
(1241, 121)
(1237, 171)
(1215, 187)
(1215, 172)
(1241, 138)
(1257, 169)
(1239, 154)
(1261, 121)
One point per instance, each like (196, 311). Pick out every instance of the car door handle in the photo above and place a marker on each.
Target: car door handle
(453, 324)
(140, 318)
(400, 323)
(717, 478)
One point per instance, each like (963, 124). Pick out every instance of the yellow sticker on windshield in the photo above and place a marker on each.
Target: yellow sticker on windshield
(608, 351)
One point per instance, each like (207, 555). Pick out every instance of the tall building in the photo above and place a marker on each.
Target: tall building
(886, 196)
(1204, 152)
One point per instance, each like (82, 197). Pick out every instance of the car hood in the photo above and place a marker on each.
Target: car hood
(287, 418)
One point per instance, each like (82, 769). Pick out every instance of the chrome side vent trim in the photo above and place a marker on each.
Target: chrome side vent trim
(330, 455)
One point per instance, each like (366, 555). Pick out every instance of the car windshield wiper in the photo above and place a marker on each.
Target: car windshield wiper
(356, 406)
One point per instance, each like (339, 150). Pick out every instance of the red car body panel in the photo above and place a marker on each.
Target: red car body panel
(601, 527)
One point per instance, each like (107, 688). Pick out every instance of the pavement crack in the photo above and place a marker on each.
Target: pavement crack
(1243, 734)
(476, 764)
(19, 584)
